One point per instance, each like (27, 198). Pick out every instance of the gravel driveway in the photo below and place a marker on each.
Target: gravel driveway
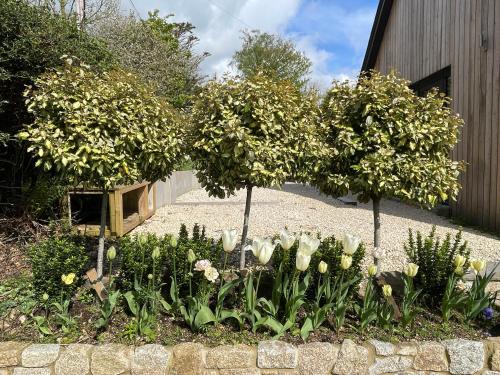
(301, 208)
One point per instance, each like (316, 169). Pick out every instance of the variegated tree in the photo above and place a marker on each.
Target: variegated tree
(254, 132)
(101, 130)
(382, 140)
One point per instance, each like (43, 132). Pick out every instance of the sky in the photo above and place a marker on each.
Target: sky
(332, 33)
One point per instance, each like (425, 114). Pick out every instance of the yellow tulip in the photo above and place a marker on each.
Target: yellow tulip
(322, 267)
(477, 265)
(387, 290)
(372, 270)
(345, 262)
(68, 279)
(411, 270)
(460, 261)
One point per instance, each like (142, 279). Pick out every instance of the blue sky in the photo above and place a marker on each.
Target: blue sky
(332, 33)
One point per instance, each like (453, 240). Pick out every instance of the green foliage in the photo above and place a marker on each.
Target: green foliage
(380, 139)
(33, 41)
(453, 298)
(435, 259)
(52, 258)
(252, 132)
(158, 51)
(101, 129)
(477, 297)
(274, 56)
(135, 252)
(45, 199)
(329, 251)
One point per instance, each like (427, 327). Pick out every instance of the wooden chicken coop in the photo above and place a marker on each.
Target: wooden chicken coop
(128, 207)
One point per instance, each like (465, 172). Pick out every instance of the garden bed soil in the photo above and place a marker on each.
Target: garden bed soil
(17, 326)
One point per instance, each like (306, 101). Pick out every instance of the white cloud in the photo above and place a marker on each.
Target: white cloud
(317, 26)
(218, 22)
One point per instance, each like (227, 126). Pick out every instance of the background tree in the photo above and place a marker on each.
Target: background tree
(274, 56)
(381, 140)
(156, 50)
(101, 130)
(250, 133)
(33, 41)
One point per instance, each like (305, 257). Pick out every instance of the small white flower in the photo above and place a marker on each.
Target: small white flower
(211, 274)
(262, 249)
(202, 265)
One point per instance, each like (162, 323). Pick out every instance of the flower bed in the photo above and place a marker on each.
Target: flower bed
(268, 357)
(300, 288)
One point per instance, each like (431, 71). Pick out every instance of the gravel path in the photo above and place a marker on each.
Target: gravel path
(301, 208)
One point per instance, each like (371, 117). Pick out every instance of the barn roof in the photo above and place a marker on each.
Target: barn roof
(377, 34)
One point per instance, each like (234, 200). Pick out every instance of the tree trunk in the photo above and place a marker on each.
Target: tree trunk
(376, 223)
(245, 227)
(102, 232)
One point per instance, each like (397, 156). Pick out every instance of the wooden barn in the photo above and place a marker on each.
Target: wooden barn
(453, 45)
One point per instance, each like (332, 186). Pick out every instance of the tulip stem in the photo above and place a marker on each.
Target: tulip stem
(257, 286)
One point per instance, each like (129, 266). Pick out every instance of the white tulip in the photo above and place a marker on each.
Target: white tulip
(266, 251)
(350, 243)
(308, 245)
(262, 249)
(302, 261)
(287, 239)
(229, 239)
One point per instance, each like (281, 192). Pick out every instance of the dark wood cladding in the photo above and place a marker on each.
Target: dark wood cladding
(423, 37)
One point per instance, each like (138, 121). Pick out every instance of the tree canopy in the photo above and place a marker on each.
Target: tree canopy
(156, 50)
(274, 56)
(101, 129)
(251, 132)
(383, 140)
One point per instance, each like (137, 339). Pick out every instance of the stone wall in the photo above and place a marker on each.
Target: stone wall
(268, 358)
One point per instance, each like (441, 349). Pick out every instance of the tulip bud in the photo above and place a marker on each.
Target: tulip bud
(156, 253)
(372, 270)
(150, 276)
(322, 267)
(387, 290)
(411, 270)
(345, 262)
(191, 256)
(45, 296)
(460, 261)
(173, 241)
(111, 254)
(142, 238)
(459, 271)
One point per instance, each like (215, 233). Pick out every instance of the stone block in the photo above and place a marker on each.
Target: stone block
(317, 358)
(74, 360)
(383, 348)
(10, 353)
(111, 359)
(431, 356)
(276, 354)
(31, 371)
(391, 364)
(466, 356)
(352, 359)
(231, 356)
(40, 355)
(151, 360)
(187, 359)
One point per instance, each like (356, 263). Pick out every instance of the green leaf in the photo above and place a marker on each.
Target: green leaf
(204, 316)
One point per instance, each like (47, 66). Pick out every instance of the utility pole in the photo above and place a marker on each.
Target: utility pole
(80, 12)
